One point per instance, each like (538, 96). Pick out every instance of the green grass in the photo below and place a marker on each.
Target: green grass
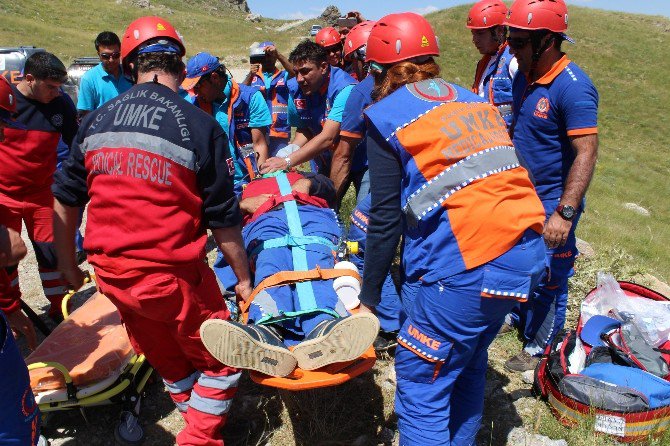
(68, 28)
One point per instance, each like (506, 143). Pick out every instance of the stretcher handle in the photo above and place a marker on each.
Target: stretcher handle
(69, 385)
(88, 278)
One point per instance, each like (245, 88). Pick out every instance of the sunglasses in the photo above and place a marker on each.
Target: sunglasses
(108, 56)
(516, 43)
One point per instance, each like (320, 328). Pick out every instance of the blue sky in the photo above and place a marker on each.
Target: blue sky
(299, 9)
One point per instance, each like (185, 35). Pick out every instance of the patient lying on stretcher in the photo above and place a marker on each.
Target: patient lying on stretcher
(289, 226)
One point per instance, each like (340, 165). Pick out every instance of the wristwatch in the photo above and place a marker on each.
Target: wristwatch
(288, 162)
(566, 211)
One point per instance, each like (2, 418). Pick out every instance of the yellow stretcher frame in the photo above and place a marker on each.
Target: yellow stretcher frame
(136, 374)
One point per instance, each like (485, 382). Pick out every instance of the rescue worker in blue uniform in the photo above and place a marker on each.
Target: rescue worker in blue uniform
(445, 175)
(317, 97)
(497, 67)
(389, 311)
(555, 127)
(350, 159)
(273, 83)
(241, 110)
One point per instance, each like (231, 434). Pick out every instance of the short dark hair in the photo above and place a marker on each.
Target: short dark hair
(44, 65)
(170, 63)
(106, 38)
(308, 51)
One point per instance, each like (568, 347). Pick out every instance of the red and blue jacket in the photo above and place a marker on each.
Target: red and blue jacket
(561, 104)
(497, 81)
(158, 173)
(465, 197)
(312, 110)
(276, 96)
(28, 155)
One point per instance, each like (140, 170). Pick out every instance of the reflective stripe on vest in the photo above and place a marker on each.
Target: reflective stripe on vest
(505, 110)
(457, 176)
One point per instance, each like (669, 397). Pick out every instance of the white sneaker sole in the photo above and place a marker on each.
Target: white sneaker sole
(234, 347)
(346, 342)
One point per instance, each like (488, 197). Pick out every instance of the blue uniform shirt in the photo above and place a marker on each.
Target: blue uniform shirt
(561, 104)
(353, 122)
(97, 87)
(334, 114)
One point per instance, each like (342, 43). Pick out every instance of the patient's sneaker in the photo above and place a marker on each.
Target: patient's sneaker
(337, 340)
(255, 347)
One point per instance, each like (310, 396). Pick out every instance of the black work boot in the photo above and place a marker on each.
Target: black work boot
(254, 347)
(337, 340)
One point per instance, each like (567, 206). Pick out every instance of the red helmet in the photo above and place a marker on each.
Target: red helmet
(357, 37)
(328, 36)
(145, 29)
(7, 98)
(486, 14)
(538, 14)
(402, 36)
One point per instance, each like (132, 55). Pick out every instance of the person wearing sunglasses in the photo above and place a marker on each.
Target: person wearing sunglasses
(497, 67)
(105, 81)
(555, 127)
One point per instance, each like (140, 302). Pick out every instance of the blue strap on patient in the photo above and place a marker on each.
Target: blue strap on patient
(304, 289)
(296, 240)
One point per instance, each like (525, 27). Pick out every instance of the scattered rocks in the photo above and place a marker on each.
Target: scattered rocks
(528, 376)
(330, 15)
(390, 379)
(637, 209)
(653, 282)
(585, 249)
(253, 17)
(141, 3)
(521, 437)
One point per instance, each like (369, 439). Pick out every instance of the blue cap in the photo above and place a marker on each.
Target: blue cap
(198, 66)
(595, 327)
(160, 46)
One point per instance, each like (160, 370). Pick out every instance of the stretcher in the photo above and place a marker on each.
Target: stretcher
(330, 375)
(88, 361)
(299, 379)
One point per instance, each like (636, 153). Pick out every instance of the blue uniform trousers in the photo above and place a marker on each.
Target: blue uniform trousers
(316, 222)
(441, 358)
(19, 417)
(544, 313)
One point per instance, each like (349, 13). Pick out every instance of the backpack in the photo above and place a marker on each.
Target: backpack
(624, 383)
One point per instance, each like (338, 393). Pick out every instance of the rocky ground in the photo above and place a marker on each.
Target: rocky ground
(356, 413)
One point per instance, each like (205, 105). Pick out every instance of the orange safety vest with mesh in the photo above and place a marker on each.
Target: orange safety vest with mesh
(465, 196)
(277, 100)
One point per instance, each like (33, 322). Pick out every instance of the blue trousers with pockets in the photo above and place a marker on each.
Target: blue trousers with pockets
(441, 358)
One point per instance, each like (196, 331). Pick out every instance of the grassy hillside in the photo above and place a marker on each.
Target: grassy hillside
(625, 56)
(68, 28)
